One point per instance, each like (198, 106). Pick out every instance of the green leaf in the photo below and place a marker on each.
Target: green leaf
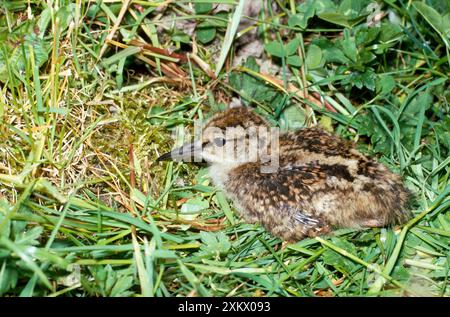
(385, 84)
(366, 36)
(205, 33)
(292, 46)
(331, 51)
(275, 48)
(366, 56)
(27, 256)
(443, 133)
(433, 18)
(323, 5)
(361, 79)
(292, 118)
(294, 60)
(13, 55)
(446, 24)
(422, 100)
(305, 12)
(214, 243)
(353, 8)
(368, 79)
(201, 8)
(298, 20)
(65, 15)
(14, 5)
(193, 280)
(254, 88)
(29, 237)
(314, 57)
(390, 32)
(122, 286)
(338, 261)
(224, 206)
(335, 18)
(340, 19)
(129, 51)
(44, 20)
(229, 35)
(194, 205)
(181, 37)
(8, 278)
(349, 46)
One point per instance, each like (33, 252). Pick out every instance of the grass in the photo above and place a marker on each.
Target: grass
(93, 91)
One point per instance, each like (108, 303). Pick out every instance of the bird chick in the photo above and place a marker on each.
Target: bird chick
(314, 182)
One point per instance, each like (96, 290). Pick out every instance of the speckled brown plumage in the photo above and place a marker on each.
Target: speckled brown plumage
(321, 182)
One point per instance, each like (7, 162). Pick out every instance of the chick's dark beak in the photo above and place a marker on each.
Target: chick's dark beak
(165, 157)
(190, 152)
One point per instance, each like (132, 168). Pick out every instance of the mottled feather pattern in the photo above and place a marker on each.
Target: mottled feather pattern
(322, 182)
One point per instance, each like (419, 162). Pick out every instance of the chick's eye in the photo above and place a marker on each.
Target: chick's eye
(219, 141)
